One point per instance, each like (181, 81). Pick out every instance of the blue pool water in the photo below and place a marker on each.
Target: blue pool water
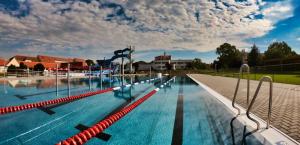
(180, 113)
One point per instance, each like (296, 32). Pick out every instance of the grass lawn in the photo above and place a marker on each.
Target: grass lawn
(279, 78)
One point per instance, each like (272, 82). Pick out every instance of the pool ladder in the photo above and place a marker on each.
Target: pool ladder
(243, 67)
(262, 79)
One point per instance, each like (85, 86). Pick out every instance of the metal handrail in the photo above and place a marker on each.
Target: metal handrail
(244, 66)
(263, 79)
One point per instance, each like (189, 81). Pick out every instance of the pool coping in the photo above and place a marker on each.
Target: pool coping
(271, 135)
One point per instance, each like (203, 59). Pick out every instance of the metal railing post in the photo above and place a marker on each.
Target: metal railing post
(56, 78)
(120, 70)
(244, 66)
(68, 76)
(5, 71)
(263, 79)
(123, 71)
(90, 79)
(110, 71)
(101, 71)
(150, 73)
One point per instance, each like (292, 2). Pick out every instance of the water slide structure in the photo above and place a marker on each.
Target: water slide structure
(110, 67)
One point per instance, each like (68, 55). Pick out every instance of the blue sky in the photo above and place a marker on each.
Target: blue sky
(186, 29)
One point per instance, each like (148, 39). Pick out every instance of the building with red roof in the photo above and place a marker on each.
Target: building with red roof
(49, 62)
(2, 65)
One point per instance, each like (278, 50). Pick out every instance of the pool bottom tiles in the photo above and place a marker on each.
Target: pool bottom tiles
(180, 113)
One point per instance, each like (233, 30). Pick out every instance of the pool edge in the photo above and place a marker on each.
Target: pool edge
(272, 135)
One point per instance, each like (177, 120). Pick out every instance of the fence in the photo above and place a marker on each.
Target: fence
(32, 73)
(282, 73)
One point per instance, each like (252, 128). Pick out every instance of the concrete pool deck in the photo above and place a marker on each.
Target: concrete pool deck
(286, 101)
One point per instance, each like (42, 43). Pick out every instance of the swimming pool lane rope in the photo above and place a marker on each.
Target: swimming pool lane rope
(12, 109)
(91, 132)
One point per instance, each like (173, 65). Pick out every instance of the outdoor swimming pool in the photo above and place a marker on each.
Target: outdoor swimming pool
(180, 113)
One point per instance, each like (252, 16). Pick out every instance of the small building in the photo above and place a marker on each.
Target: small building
(142, 66)
(181, 63)
(49, 62)
(163, 62)
(16, 60)
(2, 65)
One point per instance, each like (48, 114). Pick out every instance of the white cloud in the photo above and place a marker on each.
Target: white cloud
(157, 24)
(278, 11)
(298, 38)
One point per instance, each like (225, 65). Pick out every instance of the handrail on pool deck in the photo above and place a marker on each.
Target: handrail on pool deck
(242, 68)
(263, 79)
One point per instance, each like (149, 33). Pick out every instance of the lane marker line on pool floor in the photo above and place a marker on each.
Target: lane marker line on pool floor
(91, 132)
(178, 123)
(119, 108)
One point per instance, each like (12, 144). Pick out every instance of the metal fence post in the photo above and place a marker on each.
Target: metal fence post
(101, 71)
(68, 76)
(56, 77)
(5, 71)
(90, 79)
(150, 72)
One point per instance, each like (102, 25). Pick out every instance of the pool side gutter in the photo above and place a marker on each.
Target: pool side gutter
(271, 135)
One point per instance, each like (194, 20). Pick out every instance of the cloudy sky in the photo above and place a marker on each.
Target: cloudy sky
(183, 28)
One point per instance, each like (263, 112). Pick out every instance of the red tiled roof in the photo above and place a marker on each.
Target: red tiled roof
(78, 60)
(52, 59)
(45, 64)
(23, 58)
(163, 57)
(2, 62)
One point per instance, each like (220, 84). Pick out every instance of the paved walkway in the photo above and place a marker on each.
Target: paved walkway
(286, 100)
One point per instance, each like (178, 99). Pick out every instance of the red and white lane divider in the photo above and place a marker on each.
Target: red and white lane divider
(91, 132)
(11, 109)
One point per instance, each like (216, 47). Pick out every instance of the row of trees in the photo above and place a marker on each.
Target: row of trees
(37, 67)
(231, 57)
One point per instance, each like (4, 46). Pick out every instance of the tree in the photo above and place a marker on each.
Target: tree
(254, 57)
(279, 50)
(22, 66)
(39, 67)
(216, 65)
(11, 68)
(229, 56)
(90, 62)
(198, 64)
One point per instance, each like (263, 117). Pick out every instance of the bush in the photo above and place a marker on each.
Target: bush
(11, 68)
(39, 67)
(23, 66)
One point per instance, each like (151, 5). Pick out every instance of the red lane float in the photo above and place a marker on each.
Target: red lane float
(91, 132)
(11, 109)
